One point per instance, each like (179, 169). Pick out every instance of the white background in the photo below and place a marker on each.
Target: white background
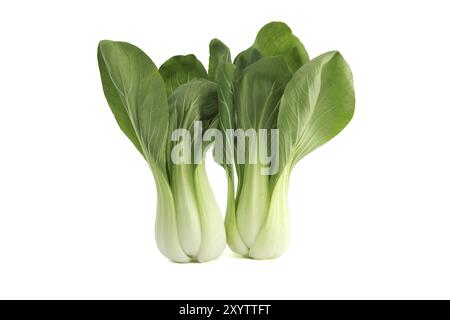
(370, 210)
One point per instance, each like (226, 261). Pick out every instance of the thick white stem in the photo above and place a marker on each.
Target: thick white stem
(234, 238)
(187, 211)
(166, 229)
(253, 203)
(213, 232)
(274, 235)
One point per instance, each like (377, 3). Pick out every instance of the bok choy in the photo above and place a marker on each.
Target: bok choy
(274, 85)
(148, 104)
(266, 110)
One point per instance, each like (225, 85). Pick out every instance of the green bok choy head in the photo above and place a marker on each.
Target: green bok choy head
(148, 105)
(274, 85)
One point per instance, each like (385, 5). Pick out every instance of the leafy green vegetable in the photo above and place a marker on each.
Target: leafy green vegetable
(273, 85)
(189, 226)
(272, 99)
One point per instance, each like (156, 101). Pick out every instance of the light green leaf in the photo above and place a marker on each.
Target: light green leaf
(137, 97)
(317, 104)
(276, 38)
(179, 70)
(218, 52)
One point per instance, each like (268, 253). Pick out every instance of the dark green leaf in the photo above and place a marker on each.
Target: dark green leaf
(179, 70)
(194, 101)
(244, 59)
(258, 93)
(224, 79)
(218, 52)
(276, 38)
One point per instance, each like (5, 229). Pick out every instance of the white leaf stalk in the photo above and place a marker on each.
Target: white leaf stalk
(189, 226)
